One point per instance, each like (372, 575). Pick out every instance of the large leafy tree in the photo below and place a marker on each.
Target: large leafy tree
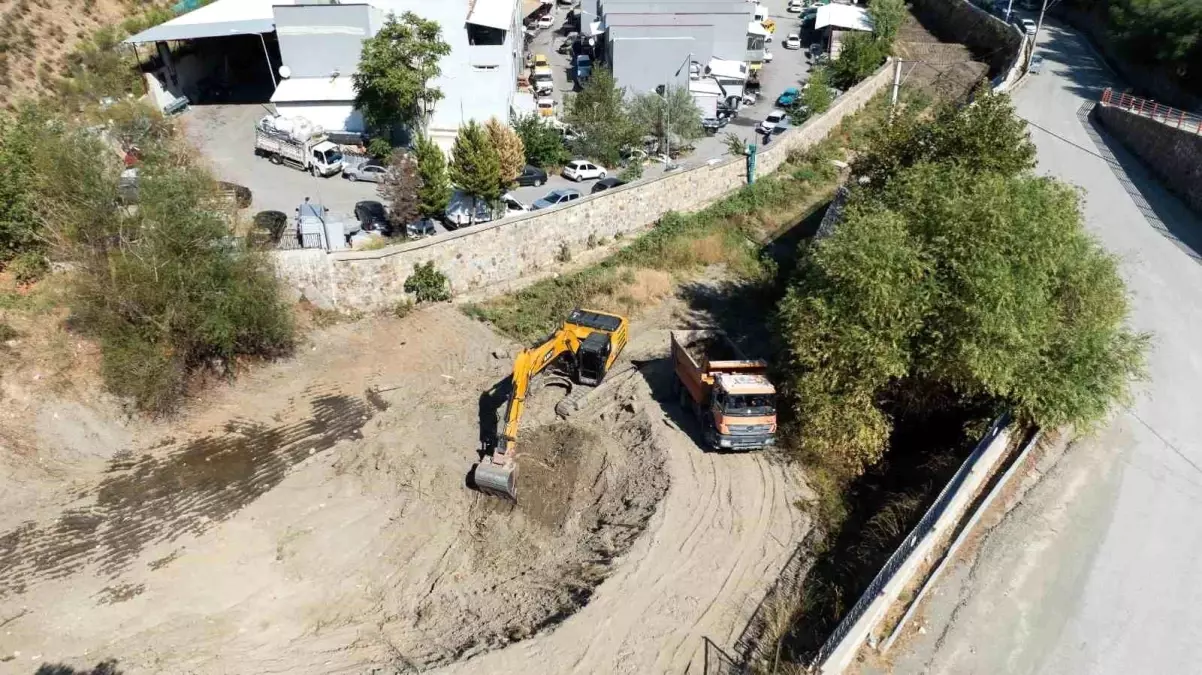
(954, 275)
(599, 114)
(543, 144)
(395, 69)
(673, 113)
(475, 166)
(434, 186)
(985, 137)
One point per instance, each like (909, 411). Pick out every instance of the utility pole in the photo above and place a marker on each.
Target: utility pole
(1009, 6)
(897, 64)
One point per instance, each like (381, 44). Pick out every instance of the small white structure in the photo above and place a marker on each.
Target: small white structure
(328, 102)
(839, 19)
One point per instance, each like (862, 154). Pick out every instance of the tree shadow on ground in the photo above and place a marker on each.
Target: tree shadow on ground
(107, 667)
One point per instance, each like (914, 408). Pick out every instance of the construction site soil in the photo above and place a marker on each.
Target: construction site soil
(314, 517)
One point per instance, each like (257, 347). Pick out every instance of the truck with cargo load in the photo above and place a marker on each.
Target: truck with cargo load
(297, 143)
(729, 393)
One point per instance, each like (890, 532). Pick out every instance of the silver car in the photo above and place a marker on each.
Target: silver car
(372, 172)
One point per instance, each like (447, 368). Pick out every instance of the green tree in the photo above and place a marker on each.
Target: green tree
(984, 136)
(434, 186)
(887, 17)
(952, 285)
(859, 55)
(817, 96)
(543, 144)
(600, 116)
(402, 189)
(20, 228)
(392, 85)
(673, 113)
(475, 166)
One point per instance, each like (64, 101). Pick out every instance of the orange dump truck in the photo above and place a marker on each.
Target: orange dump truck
(729, 393)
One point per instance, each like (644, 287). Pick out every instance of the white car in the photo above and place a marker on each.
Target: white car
(793, 41)
(767, 56)
(545, 21)
(795, 5)
(579, 169)
(770, 123)
(1029, 26)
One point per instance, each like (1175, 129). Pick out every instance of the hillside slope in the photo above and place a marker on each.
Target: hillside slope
(37, 38)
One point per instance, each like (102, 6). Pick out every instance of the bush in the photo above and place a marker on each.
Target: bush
(380, 148)
(28, 267)
(631, 173)
(427, 284)
(565, 253)
(7, 332)
(241, 193)
(273, 223)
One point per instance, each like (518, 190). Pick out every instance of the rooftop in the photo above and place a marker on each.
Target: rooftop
(845, 17)
(492, 13)
(221, 18)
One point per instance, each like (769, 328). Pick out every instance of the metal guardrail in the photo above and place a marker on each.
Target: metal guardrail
(902, 554)
(1173, 117)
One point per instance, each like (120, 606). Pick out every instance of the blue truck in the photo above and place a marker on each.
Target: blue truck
(584, 67)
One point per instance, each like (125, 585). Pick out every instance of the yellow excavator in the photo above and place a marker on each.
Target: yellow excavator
(586, 345)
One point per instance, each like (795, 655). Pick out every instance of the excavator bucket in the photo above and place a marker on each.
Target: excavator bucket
(500, 480)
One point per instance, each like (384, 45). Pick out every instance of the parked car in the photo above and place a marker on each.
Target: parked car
(788, 97)
(420, 228)
(605, 184)
(772, 123)
(1029, 26)
(793, 41)
(712, 125)
(373, 217)
(750, 97)
(584, 67)
(373, 171)
(531, 175)
(767, 56)
(540, 61)
(1036, 65)
(580, 169)
(795, 6)
(546, 106)
(565, 47)
(554, 197)
(545, 21)
(511, 205)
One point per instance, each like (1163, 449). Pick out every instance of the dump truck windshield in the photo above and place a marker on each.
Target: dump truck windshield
(750, 404)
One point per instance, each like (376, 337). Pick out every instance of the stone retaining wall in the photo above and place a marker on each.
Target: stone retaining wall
(1174, 155)
(485, 255)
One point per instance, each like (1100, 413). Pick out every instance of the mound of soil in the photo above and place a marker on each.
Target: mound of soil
(586, 491)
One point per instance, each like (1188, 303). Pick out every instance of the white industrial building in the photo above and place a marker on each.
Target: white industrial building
(308, 51)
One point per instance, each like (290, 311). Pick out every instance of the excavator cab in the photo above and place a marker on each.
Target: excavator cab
(591, 341)
(592, 359)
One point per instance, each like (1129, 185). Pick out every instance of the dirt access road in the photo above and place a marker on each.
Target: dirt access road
(313, 518)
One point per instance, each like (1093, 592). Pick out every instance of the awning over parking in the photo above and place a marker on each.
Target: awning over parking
(219, 19)
(844, 17)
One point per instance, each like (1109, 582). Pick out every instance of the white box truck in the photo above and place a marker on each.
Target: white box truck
(298, 145)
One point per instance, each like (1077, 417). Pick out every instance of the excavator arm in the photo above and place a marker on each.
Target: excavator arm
(498, 474)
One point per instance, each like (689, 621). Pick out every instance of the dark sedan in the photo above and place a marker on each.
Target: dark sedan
(532, 175)
(373, 217)
(605, 184)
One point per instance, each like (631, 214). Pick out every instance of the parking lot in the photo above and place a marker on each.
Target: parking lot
(225, 134)
(789, 68)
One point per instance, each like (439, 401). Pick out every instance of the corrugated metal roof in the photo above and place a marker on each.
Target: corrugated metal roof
(843, 16)
(492, 13)
(315, 89)
(222, 18)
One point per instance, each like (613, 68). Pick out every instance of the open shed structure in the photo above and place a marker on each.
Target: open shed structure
(224, 51)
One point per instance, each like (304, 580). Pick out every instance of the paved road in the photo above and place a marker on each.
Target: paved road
(1098, 570)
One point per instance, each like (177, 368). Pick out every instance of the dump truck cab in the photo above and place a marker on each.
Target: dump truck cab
(729, 393)
(743, 411)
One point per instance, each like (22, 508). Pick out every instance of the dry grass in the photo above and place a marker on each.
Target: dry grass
(36, 37)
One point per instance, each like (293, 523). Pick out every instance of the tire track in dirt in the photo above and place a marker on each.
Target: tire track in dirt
(716, 543)
(185, 489)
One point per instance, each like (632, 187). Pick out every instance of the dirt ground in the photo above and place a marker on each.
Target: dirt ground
(314, 518)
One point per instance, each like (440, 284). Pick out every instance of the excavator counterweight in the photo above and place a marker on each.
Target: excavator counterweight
(590, 342)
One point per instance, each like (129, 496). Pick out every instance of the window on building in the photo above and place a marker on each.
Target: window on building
(484, 35)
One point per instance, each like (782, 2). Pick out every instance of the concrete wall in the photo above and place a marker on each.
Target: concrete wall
(316, 40)
(990, 39)
(493, 253)
(1174, 155)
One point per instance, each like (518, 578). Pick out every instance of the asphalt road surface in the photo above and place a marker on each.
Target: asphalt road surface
(1097, 571)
